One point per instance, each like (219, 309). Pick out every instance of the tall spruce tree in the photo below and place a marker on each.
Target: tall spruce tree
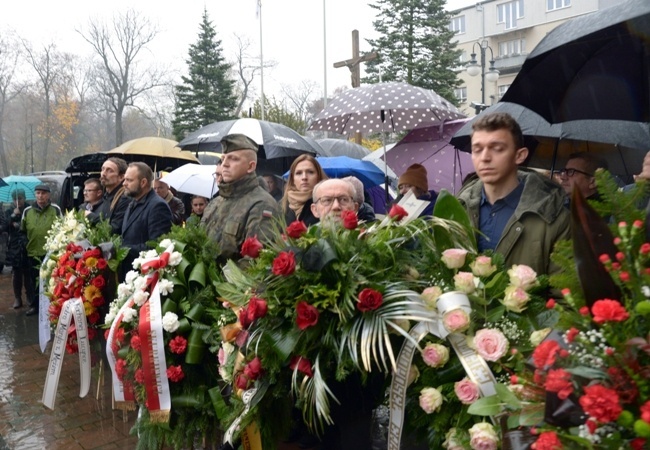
(414, 45)
(207, 93)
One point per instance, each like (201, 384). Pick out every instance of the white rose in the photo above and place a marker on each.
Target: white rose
(536, 337)
(522, 276)
(430, 400)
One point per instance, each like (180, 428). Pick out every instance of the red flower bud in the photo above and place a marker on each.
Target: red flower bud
(550, 304)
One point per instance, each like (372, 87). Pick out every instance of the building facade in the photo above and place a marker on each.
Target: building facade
(500, 34)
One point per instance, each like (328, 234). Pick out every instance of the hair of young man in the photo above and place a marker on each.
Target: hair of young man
(94, 182)
(120, 163)
(500, 121)
(592, 162)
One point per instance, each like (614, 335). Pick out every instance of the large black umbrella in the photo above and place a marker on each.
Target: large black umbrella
(592, 67)
(622, 144)
(278, 144)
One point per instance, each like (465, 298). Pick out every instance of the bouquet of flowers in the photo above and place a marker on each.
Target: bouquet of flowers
(588, 381)
(319, 307)
(161, 315)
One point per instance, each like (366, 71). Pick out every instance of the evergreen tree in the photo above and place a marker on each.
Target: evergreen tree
(415, 46)
(207, 94)
(277, 112)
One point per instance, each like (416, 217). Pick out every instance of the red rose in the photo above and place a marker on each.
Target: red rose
(607, 310)
(302, 364)
(101, 264)
(397, 212)
(175, 373)
(241, 381)
(645, 248)
(545, 353)
(601, 403)
(307, 315)
(547, 440)
(256, 308)
(559, 381)
(645, 412)
(253, 369)
(98, 282)
(251, 247)
(638, 444)
(296, 229)
(369, 300)
(350, 220)
(178, 345)
(284, 264)
(244, 318)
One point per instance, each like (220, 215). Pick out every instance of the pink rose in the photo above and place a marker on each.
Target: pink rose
(515, 299)
(467, 391)
(483, 437)
(456, 321)
(464, 282)
(430, 400)
(490, 344)
(435, 355)
(451, 440)
(522, 276)
(482, 266)
(430, 296)
(454, 258)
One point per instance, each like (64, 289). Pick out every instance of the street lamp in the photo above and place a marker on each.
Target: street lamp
(474, 69)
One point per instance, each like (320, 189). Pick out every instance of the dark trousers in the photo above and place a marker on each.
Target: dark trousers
(18, 280)
(31, 282)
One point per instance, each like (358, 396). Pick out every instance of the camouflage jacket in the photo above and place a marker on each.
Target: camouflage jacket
(243, 209)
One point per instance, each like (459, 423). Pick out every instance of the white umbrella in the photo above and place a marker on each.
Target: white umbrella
(193, 179)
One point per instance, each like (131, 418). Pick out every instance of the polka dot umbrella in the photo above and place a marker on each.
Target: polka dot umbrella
(384, 107)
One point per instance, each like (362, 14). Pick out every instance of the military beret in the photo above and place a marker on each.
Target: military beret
(234, 142)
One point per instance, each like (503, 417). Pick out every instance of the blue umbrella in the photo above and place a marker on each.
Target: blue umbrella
(26, 183)
(344, 166)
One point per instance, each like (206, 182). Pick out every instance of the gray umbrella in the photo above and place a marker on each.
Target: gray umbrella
(342, 147)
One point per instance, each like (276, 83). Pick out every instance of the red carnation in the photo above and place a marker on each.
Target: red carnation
(307, 315)
(120, 368)
(136, 343)
(251, 247)
(571, 334)
(601, 403)
(545, 353)
(302, 364)
(350, 220)
(559, 381)
(296, 229)
(175, 373)
(547, 440)
(607, 310)
(178, 345)
(139, 376)
(397, 212)
(369, 300)
(284, 264)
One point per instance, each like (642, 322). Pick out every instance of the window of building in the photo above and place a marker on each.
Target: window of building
(457, 25)
(557, 4)
(508, 13)
(461, 94)
(501, 90)
(511, 48)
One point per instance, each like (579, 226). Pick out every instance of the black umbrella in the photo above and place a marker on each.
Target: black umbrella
(279, 144)
(621, 143)
(593, 67)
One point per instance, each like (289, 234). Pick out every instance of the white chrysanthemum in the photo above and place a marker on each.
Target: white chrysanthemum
(166, 287)
(129, 315)
(140, 297)
(170, 322)
(175, 259)
(165, 243)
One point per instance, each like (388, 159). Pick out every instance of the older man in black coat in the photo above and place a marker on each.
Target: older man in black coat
(147, 217)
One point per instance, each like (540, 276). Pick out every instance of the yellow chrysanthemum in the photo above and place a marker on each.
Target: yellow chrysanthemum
(88, 308)
(91, 293)
(91, 262)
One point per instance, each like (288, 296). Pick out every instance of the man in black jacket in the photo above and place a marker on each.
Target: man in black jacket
(115, 202)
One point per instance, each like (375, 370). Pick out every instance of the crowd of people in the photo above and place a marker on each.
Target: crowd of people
(516, 211)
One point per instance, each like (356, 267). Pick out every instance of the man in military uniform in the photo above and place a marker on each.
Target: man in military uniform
(243, 208)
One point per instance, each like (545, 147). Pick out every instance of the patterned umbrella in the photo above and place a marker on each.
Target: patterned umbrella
(384, 107)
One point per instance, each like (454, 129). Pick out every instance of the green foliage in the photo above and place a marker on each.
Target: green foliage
(207, 93)
(415, 45)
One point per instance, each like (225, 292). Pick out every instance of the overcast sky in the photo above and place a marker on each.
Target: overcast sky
(292, 31)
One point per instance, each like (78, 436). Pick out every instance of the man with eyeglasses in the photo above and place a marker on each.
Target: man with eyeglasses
(578, 173)
(93, 195)
(331, 197)
(520, 213)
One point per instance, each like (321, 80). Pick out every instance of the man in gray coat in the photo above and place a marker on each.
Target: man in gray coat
(243, 208)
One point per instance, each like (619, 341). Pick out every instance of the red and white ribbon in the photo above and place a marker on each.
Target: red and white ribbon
(72, 308)
(122, 393)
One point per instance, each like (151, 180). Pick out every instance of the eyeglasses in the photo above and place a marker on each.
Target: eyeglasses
(571, 172)
(91, 190)
(343, 200)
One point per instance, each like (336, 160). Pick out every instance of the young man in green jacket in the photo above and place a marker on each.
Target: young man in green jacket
(35, 223)
(519, 213)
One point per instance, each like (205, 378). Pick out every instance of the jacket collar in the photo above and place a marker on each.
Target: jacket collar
(239, 187)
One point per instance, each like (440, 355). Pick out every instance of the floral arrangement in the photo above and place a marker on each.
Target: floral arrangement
(182, 270)
(587, 385)
(82, 263)
(319, 307)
